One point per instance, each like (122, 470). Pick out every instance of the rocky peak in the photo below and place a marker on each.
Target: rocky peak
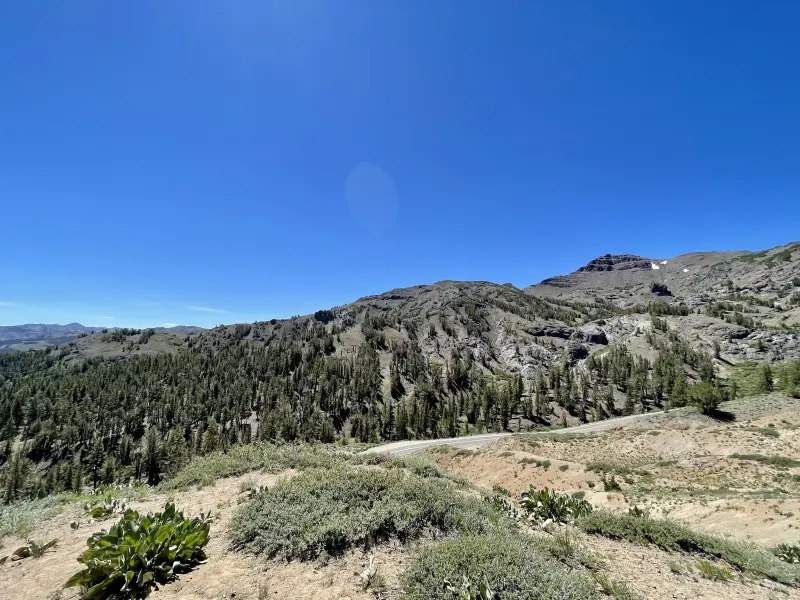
(616, 262)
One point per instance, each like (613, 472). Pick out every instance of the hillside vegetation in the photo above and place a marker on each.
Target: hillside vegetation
(301, 521)
(442, 360)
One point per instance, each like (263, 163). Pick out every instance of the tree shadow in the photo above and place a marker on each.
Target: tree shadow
(723, 416)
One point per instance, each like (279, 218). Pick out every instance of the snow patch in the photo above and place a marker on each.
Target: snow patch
(655, 266)
(663, 262)
(686, 270)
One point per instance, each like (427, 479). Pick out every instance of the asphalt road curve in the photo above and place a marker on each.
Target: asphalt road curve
(474, 441)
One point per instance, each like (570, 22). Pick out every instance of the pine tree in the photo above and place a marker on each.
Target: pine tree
(108, 472)
(210, 438)
(14, 478)
(767, 384)
(175, 452)
(95, 458)
(151, 456)
(76, 479)
(679, 396)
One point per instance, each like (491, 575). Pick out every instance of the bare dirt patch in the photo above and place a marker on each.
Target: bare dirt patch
(732, 477)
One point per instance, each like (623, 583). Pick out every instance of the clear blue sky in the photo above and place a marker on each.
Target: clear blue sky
(262, 159)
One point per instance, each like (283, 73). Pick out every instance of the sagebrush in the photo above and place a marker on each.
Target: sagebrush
(511, 566)
(329, 511)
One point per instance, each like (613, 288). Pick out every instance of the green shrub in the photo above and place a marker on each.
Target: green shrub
(546, 504)
(503, 504)
(470, 591)
(789, 553)
(676, 567)
(635, 511)
(512, 566)
(140, 551)
(332, 510)
(104, 509)
(706, 396)
(545, 464)
(607, 467)
(610, 484)
(674, 536)
(419, 465)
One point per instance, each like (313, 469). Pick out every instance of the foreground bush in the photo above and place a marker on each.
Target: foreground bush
(139, 552)
(673, 536)
(511, 565)
(329, 511)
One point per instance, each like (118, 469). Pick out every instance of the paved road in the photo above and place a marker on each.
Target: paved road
(474, 441)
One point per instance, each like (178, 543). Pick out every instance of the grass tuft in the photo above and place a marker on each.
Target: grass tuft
(22, 518)
(713, 571)
(544, 464)
(614, 589)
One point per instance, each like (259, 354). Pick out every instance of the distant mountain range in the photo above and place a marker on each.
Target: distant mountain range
(38, 335)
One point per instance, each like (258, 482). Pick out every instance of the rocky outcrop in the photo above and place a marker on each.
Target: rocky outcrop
(557, 332)
(576, 350)
(591, 334)
(616, 262)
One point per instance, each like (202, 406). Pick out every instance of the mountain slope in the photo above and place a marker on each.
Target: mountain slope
(617, 336)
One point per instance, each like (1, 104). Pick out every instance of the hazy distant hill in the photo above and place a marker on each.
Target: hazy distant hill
(40, 335)
(42, 331)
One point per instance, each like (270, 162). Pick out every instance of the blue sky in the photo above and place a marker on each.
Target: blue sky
(210, 162)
